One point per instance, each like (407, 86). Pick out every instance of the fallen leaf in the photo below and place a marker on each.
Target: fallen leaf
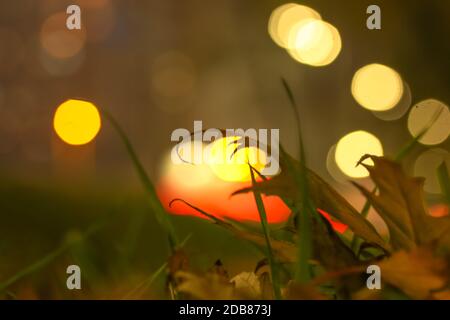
(400, 202)
(323, 196)
(417, 273)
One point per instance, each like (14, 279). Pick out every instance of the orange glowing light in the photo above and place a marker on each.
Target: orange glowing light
(439, 210)
(337, 225)
(198, 185)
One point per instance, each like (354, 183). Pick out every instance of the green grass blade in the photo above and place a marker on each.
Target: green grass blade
(263, 217)
(305, 213)
(415, 141)
(140, 289)
(294, 107)
(41, 263)
(161, 215)
(304, 225)
(144, 285)
(47, 259)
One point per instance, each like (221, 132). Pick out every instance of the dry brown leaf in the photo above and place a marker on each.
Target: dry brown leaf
(323, 196)
(401, 204)
(417, 273)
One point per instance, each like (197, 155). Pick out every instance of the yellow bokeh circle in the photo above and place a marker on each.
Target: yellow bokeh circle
(314, 42)
(284, 18)
(433, 116)
(77, 122)
(352, 147)
(377, 87)
(230, 166)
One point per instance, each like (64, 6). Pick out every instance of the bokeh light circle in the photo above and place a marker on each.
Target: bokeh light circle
(284, 18)
(332, 167)
(234, 167)
(377, 87)
(352, 147)
(400, 109)
(314, 42)
(432, 114)
(77, 122)
(57, 40)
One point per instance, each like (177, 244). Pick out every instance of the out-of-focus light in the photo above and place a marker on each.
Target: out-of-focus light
(332, 167)
(187, 174)
(197, 184)
(337, 225)
(426, 166)
(58, 41)
(352, 147)
(77, 122)
(439, 210)
(422, 115)
(377, 87)
(314, 42)
(400, 109)
(284, 18)
(234, 167)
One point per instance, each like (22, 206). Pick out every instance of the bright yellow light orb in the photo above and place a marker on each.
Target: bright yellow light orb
(352, 147)
(314, 42)
(77, 122)
(400, 109)
(235, 167)
(286, 17)
(422, 115)
(377, 87)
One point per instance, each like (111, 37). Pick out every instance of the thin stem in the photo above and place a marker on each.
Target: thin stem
(161, 216)
(266, 231)
(305, 213)
(47, 259)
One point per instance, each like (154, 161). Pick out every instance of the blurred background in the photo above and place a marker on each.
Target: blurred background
(160, 65)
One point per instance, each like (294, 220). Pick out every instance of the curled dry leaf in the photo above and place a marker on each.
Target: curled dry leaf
(418, 273)
(323, 196)
(400, 202)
